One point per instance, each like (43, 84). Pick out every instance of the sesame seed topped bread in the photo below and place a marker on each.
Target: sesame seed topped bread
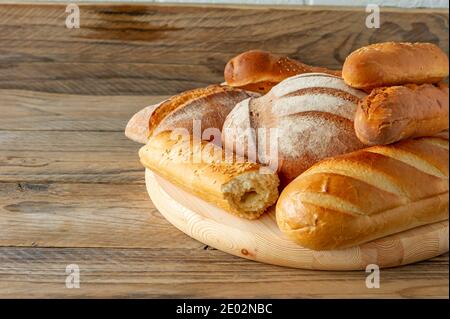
(202, 169)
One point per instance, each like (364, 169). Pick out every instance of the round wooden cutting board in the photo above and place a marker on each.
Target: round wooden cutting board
(261, 240)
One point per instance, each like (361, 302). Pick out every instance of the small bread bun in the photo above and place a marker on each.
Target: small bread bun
(395, 63)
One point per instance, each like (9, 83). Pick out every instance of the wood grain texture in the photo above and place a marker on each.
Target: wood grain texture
(195, 273)
(261, 239)
(83, 215)
(47, 138)
(71, 187)
(153, 49)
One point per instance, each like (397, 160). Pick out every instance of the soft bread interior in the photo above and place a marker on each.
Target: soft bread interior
(251, 193)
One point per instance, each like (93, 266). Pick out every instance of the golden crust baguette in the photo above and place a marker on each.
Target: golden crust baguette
(201, 169)
(259, 71)
(395, 63)
(358, 197)
(391, 114)
(209, 105)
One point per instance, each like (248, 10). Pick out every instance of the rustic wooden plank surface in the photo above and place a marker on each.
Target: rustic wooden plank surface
(154, 49)
(71, 187)
(182, 272)
(71, 195)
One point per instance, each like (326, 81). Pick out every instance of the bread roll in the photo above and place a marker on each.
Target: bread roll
(395, 63)
(312, 114)
(259, 71)
(391, 114)
(208, 105)
(241, 188)
(358, 197)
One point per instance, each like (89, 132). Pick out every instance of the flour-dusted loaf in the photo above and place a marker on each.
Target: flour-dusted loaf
(371, 193)
(208, 106)
(202, 168)
(137, 127)
(259, 71)
(312, 114)
(394, 113)
(395, 63)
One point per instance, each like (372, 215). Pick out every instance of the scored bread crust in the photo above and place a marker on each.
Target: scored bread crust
(395, 63)
(391, 114)
(209, 105)
(371, 193)
(259, 71)
(313, 115)
(203, 169)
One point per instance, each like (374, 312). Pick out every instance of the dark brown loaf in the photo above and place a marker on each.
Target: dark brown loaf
(358, 197)
(208, 105)
(395, 63)
(391, 114)
(313, 114)
(203, 170)
(259, 71)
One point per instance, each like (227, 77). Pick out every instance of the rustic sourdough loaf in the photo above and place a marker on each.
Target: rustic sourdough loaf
(202, 169)
(371, 193)
(313, 117)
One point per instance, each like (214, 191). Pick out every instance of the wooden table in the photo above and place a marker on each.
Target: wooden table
(71, 187)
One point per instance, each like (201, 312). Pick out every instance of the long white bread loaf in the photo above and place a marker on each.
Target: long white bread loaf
(371, 193)
(202, 169)
(313, 114)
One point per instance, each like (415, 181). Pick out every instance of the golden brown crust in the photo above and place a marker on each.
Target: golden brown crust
(209, 105)
(395, 63)
(312, 114)
(259, 71)
(202, 169)
(391, 114)
(137, 128)
(358, 197)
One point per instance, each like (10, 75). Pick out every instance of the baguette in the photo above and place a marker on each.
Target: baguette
(240, 188)
(208, 105)
(358, 197)
(259, 71)
(395, 63)
(391, 114)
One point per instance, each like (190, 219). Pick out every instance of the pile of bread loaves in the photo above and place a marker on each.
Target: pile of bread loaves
(360, 154)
